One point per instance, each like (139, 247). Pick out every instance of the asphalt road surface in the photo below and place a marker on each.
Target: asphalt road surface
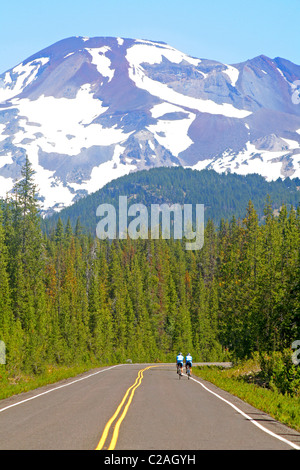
(137, 407)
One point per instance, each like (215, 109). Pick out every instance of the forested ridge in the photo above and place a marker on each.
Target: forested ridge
(67, 297)
(223, 195)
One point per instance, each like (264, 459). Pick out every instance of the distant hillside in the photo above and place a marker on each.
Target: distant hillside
(92, 109)
(223, 195)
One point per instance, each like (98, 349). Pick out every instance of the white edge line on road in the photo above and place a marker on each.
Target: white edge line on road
(249, 418)
(60, 386)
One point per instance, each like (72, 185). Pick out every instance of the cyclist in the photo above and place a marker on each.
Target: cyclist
(188, 361)
(179, 361)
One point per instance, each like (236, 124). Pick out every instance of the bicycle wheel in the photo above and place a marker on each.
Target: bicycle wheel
(188, 372)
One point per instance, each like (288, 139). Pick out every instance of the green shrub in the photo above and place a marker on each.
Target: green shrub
(280, 373)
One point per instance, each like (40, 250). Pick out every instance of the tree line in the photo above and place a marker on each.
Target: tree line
(223, 195)
(67, 297)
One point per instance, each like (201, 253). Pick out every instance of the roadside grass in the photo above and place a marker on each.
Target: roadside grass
(243, 381)
(20, 383)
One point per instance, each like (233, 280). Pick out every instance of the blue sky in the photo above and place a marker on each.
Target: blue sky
(229, 31)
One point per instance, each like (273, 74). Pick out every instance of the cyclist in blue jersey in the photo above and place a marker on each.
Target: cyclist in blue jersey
(188, 361)
(179, 361)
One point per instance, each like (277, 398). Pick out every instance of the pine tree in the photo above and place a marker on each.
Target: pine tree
(59, 232)
(27, 268)
(251, 254)
(151, 293)
(145, 342)
(269, 283)
(288, 275)
(118, 296)
(68, 235)
(100, 318)
(10, 329)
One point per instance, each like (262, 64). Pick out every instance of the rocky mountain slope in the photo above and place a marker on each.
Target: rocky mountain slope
(88, 110)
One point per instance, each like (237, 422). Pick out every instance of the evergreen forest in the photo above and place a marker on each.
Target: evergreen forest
(67, 297)
(224, 195)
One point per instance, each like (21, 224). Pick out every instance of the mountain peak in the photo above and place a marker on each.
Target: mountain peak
(87, 110)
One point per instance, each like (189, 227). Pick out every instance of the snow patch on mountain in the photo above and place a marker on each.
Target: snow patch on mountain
(233, 74)
(164, 108)
(54, 192)
(292, 144)
(106, 172)
(269, 164)
(6, 160)
(88, 110)
(67, 124)
(153, 53)
(173, 133)
(162, 91)
(20, 77)
(101, 61)
(6, 184)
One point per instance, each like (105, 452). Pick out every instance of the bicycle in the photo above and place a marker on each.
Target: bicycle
(179, 371)
(188, 371)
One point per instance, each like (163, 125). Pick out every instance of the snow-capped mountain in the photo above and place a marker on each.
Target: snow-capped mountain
(88, 110)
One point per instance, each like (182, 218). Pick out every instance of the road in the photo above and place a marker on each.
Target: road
(137, 406)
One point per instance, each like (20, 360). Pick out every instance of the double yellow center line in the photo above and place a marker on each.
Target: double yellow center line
(130, 393)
